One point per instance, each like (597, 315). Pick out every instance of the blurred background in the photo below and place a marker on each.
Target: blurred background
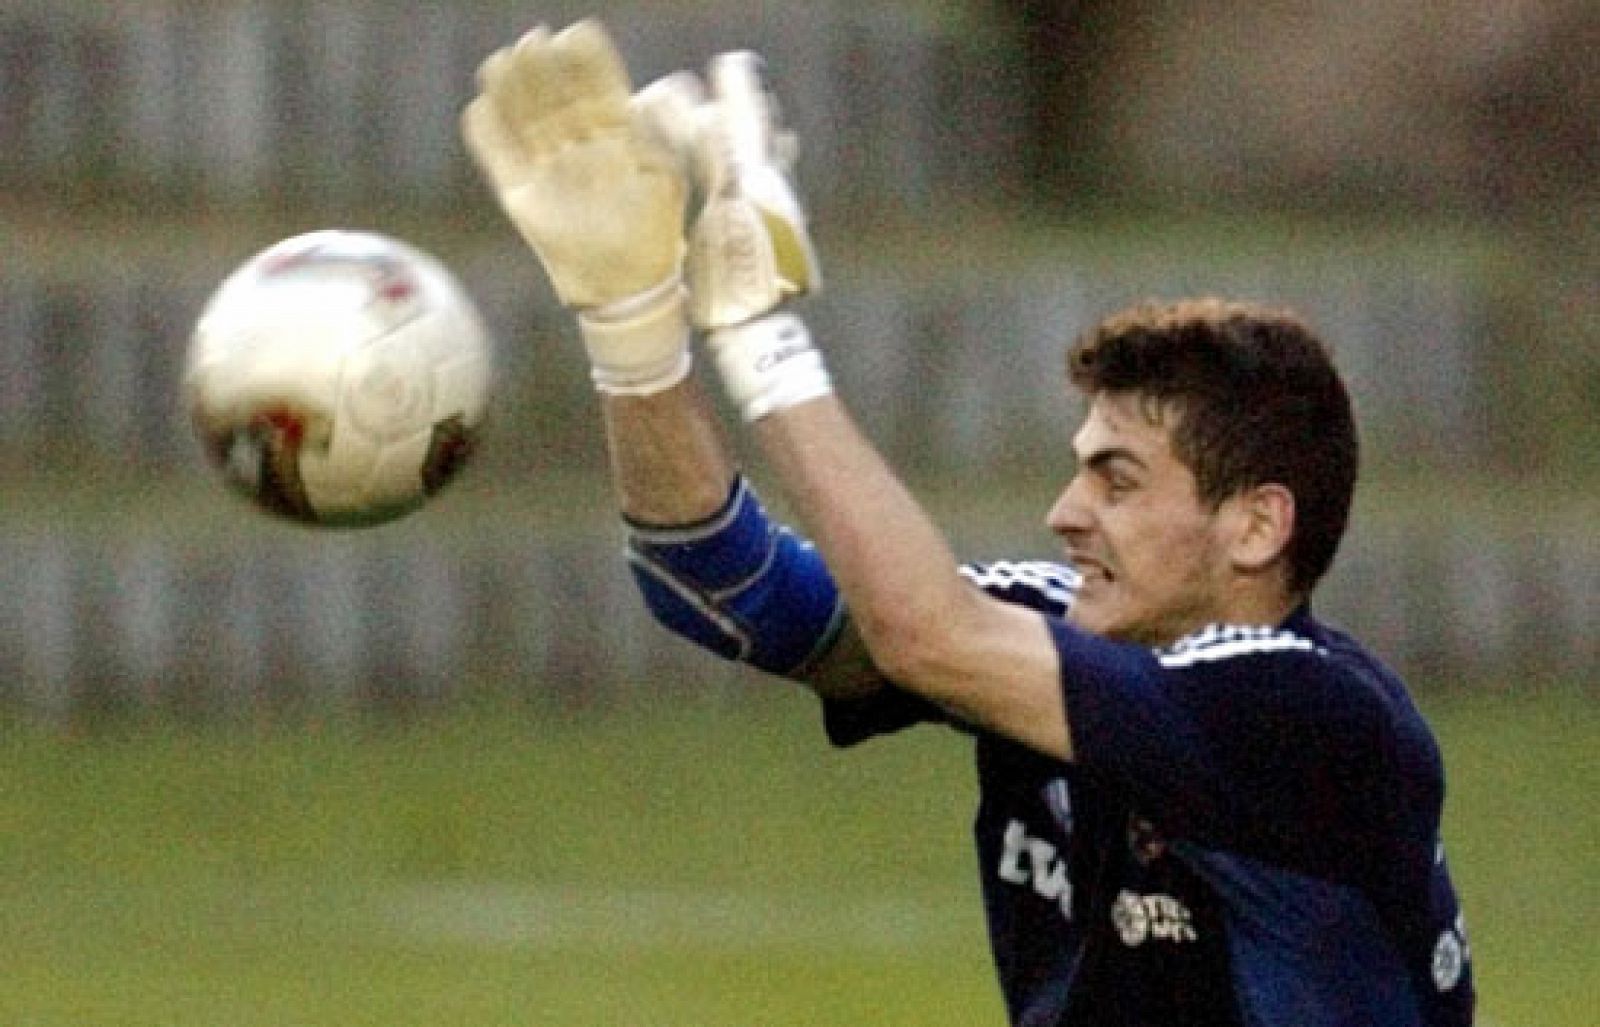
(986, 179)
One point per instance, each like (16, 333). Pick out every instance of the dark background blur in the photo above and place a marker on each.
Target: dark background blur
(986, 180)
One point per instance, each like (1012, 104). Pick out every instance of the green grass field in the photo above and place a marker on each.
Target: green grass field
(712, 865)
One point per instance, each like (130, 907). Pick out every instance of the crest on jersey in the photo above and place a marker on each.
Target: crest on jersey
(1145, 843)
(1450, 955)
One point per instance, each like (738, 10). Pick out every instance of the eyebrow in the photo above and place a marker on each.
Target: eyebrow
(1101, 458)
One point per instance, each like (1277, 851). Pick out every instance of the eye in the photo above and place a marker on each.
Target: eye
(1112, 474)
(1119, 484)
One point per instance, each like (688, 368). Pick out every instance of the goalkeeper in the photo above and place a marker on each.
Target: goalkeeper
(1199, 803)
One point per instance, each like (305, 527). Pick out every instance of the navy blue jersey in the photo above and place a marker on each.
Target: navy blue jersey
(1248, 833)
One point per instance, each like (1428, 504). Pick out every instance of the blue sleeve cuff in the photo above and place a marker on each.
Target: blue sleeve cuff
(739, 585)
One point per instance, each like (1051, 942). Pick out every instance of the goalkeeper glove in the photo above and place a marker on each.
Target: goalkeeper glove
(749, 248)
(597, 194)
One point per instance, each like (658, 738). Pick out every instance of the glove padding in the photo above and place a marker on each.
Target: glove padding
(598, 197)
(596, 192)
(749, 247)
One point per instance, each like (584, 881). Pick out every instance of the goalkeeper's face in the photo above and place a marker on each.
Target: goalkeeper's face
(1156, 559)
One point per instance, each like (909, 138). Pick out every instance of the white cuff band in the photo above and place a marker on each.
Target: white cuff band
(769, 364)
(640, 345)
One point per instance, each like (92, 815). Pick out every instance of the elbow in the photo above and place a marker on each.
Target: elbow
(898, 655)
(912, 646)
(986, 663)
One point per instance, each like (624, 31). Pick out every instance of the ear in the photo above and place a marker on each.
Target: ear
(1263, 525)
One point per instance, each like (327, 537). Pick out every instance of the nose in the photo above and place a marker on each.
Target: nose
(1069, 515)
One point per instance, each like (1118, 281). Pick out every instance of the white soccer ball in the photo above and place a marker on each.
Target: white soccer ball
(338, 377)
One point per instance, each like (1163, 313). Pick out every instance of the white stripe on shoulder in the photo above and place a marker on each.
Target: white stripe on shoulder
(1227, 641)
(1056, 583)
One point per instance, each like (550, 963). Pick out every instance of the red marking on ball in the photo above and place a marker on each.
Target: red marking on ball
(289, 426)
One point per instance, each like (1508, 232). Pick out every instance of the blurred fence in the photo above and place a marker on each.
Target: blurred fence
(952, 370)
(356, 100)
(273, 621)
(958, 376)
(256, 619)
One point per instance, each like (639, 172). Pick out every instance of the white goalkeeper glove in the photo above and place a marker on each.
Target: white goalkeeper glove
(597, 193)
(749, 248)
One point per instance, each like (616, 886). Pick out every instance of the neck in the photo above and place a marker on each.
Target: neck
(1246, 610)
(1259, 610)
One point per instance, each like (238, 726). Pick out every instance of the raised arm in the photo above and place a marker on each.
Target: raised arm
(595, 180)
(991, 664)
(988, 663)
(670, 465)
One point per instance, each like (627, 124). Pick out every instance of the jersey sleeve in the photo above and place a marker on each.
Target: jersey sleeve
(1256, 740)
(1290, 770)
(1130, 727)
(888, 710)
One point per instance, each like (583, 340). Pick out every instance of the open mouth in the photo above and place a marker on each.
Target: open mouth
(1090, 569)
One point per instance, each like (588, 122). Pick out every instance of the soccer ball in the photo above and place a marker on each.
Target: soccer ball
(338, 378)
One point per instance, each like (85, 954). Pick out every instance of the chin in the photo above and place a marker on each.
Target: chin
(1107, 624)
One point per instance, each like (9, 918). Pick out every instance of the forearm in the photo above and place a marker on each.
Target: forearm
(711, 565)
(669, 461)
(883, 549)
(594, 178)
(989, 663)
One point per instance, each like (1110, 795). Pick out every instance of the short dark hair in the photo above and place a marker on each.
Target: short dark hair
(1257, 400)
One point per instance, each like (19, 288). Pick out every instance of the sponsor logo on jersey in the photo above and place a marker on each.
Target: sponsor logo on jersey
(1026, 860)
(1156, 917)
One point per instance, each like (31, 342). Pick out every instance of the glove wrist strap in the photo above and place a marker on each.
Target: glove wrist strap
(769, 364)
(640, 345)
